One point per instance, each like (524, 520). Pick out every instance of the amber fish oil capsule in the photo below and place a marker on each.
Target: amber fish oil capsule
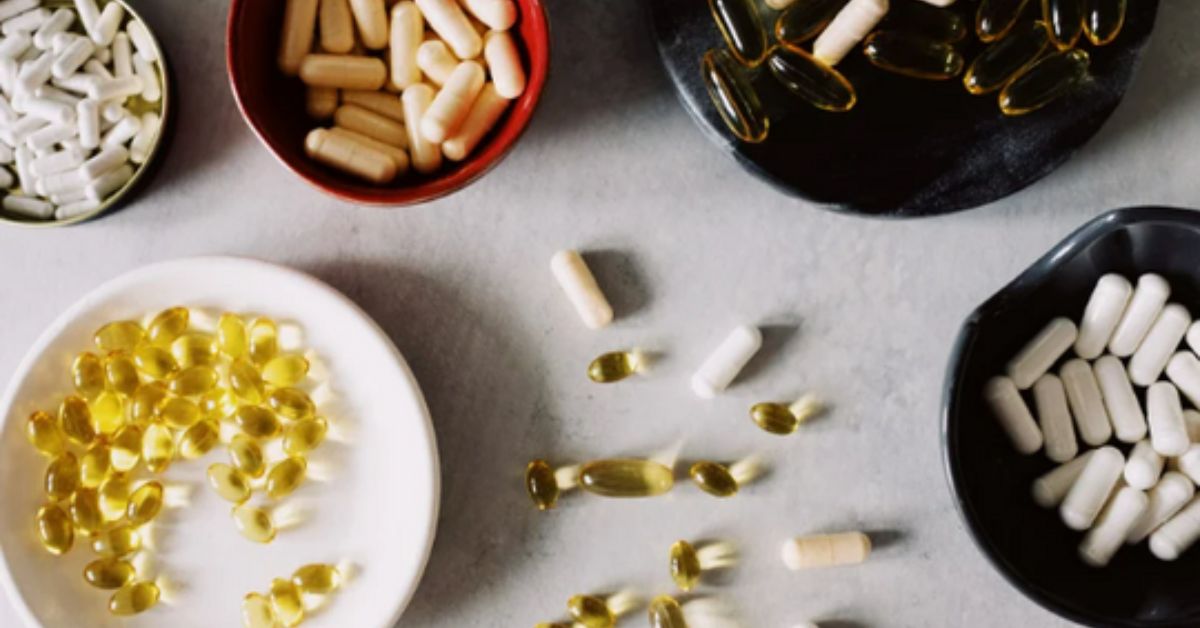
(231, 335)
(615, 366)
(1003, 60)
(626, 478)
(291, 403)
(802, 21)
(247, 456)
(317, 578)
(167, 325)
(286, 602)
(596, 612)
(1065, 21)
(543, 485)
(257, 422)
(145, 503)
(927, 21)
(995, 18)
(666, 612)
(688, 562)
(55, 529)
(108, 573)
(734, 97)
(254, 523)
(1103, 20)
(286, 476)
(742, 28)
(87, 374)
(285, 370)
(720, 480)
(811, 79)
(118, 336)
(75, 420)
(777, 418)
(257, 611)
(913, 56)
(134, 598)
(43, 433)
(826, 550)
(304, 435)
(1045, 81)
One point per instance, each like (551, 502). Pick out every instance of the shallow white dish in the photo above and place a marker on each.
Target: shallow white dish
(374, 506)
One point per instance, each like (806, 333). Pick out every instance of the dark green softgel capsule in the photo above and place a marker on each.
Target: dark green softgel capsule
(1103, 20)
(1006, 58)
(913, 56)
(1044, 82)
(805, 20)
(822, 86)
(734, 96)
(925, 20)
(1065, 21)
(742, 28)
(995, 18)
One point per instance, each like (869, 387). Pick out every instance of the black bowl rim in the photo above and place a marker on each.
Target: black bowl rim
(1024, 283)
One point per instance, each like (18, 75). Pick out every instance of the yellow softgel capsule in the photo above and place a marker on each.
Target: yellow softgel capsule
(614, 366)
(154, 361)
(688, 562)
(263, 340)
(85, 511)
(117, 541)
(245, 381)
(257, 421)
(193, 380)
(217, 404)
(126, 450)
(778, 418)
(285, 370)
(108, 413)
(87, 373)
(180, 413)
(55, 530)
(121, 373)
(246, 456)
(199, 439)
(146, 401)
(43, 433)
(254, 523)
(145, 503)
(257, 611)
(167, 325)
(75, 419)
(292, 403)
(286, 476)
(626, 478)
(541, 484)
(317, 578)
(286, 602)
(133, 598)
(158, 448)
(591, 611)
(665, 612)
(95, 465)
(231, 335)
(114, 497)
(118, 336)
(62, 476)
(228, 482)
(195, 349)
(304, 436)
(109, 573)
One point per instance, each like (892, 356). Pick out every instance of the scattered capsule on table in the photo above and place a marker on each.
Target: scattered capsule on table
(231, 335)
(926, 21)
(995, 18)
(626, 478)
(167, 325)
(317, 578)
(62, 476)
(826, 550)
(688, 562)
(849, 27)
(44, 434)
(666, 612)
(134, 598)
(815, 82)
(158, 448)
(600, 612)
(286, 476)
(199, 439)
(108, 413)
(121, 374)
(257, 421)
(615, 366)
(719, 480)
(144, 503)
(1103, 20)
(541, 484)
(734, 97)
(579, 284)
(262, 340)
(913, 56)
(742, 28)
(195, 349)
(304, 435)
(154, 361)
(246, 381)
(75, 420)
(1045, 81)
(257, 611)
(145, 404)
(286, 602)
(180, 413)
(781, 419)
(114, 497)
(109, 573)
(228, 482)
(120, 540)
(87, 373)
(85, 511)
(1001, 61)
(247, 456)
(1065, 21)
(291, 403)
(118, 336)
(254, 523)
(55, 529)
(804, 20)
(285, 370)
(94, 465)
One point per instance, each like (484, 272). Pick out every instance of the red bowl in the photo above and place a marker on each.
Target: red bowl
(273, 105)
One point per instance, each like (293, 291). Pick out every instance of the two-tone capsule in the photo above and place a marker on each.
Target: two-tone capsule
(1003, 60)
(910, 55)
(733, 95)
(688, 562)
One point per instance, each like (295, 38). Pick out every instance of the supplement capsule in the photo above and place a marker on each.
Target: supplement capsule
(286, 476)
(228, 482)
(108, 413)
(343, 71)
(245, 381)
(665, 612)
(351, 157)
(199, 439)
(407, 32)
(85, 511)
(1050, 489)
(179, 413)
(1010, 410)
(398, 155)
(1143, 467)
(926, 21)
(144, 503)
(1043, 82)
(43, 433)
(425, 156)
(246, 455)
(1065, 19)
(304, 435)
(486, 110)
(803, 21)
(577, 281)
(614, 366)
(75, 420)
(118, 336)
(1167, 497)
(55, 529)
(154, 361)
(114, 497)
(447, 19)
(263, 339)
(811, 79)
(88, 375)
(849, 26)
(286, 602)
(121, 374)
(158, 448)
(257, 421)
(742, 29)
(108, 573)
(913, 56)
(126, 450)
(62, 477)
(1087, 405)
(231, 335)
(721, 481)
(687, 562)
(826, 550)
(317, 578)
(1121, 514)
(254, 523)
(734, 97)
(1159, 345)
(1178, 534)
(1164, 415)
(596, 612)
(193, 381)
(1054, 418)
(291, 403)
(167, 325)
(195, 349)
(995, 18)
(285, 370)
(1124, 409)
(336, 26)
(504, 64)
(1103, 20)
(94, 465)
(435, 60)
(257, 612)
(145, 404)
(626, 478)
(781, 419)
(724, 364)
(1184, 371)
(1039, 354)
(1102, 313)
(121, 540)
(543, 483)
(299, 24)
(498, 15)
(453, 102)
(371, 17)
(374, 125)
(134, 598)
(1092, 488)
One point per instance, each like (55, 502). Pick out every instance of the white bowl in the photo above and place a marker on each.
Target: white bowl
(374, 507)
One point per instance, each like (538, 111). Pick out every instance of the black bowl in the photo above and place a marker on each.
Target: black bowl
(1029, 545)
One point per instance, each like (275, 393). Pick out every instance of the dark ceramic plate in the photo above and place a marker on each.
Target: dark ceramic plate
(1029, 545)
(910, 147)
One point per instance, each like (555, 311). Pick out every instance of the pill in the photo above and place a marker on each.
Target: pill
(85, 511)
(115, 89)
(57, 161)
(14, 45)
(349, 156)
(95, 463)
(245, 380)
(228, 482)
(577, 281)
(1087, 404)
(1189, 462)
(720, 480)
(407, 32)
(87, 114)
(145, 503)
(1043, 82)
(1091, 489)
(1184, 371)
(626, 478)
(291, 403)
(254, 523)
(343, 71)
(120, 540)
(849, 27)
(666, 612)
(361, 120)
(317, 578)
(108, 159)
(10, 8)
(1168, 432)
(826, 550)
(299, 25)
(143, 141)
(995, 18)
(504, 64)
(484, 113)
(144, 43)
(498, 15)
(108, 24)
(44, 434)
(108, 573)
(913, 56)
(1054, 418)
(742, 28)
(62, 476)
(126, 450)
(722, 366)
(372, 20)
(1167, 497)
(58, 22)
(304, 435)
(734, 96)
(1120, 402)
(1102, 313)
(1040, 353)
(87, 374)
(425, 156)
(134, 598)
(1013, 415)
(784, 419)
(1065, 20)
(802, 21)
(321, 102)
(257, 422)
(246, 456)
(144, 70)
(28, 206)
(1113, 525)
(114, 497)
(76, 419)
(109, 183)
(1143, 467)
(37, 72)
(55, 529)
(1179, 532)
(813, 81)
(541, 484)
(1103, 20)
(1159, 344)
(286, 476)
(398, 155)
(447, 19)
(452, 103)
(688, 562)
(336, 26)
(383, 103)
(75, 209)
(615, 366)
(26, 22)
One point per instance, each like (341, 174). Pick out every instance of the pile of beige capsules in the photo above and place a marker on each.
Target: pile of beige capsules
(395, 95)
(171, 391)
(1031, 61)
(648, 477)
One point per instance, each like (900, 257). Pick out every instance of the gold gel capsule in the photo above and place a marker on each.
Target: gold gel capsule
(179, 413)
(926, 21)
(286, 602)
(144, 503)
(94, 465)
(291, 403)
(55, 529)
(44, 434)
(541, 484)
(285, 370)
(121, 374)
(257, 421)
(108, 573)
(803, 21)
(133, 598)
(1103, 20)
(304, 436)
(108, 413)
(714, 478)
(913, 56)
(1001, 61)
(195, 349)
(114, 497)
(257, 611)
(193, 380)
(254, 523)
(158, 448)
(154, 361)
(245, 381)
(126, 450)
(995, 18)
(246, 456)
(1044, 81)
(228, 482)
(781, 419)
(167, 325)
(85, 511)
(815, 82)
(742, 28)
(118, 541)
(87, 373)
(263, 340)
(62, 476)
(591, 611)
(614, 366)
(231, 335)
(665, 612)
(317, 578)
(734, 96)
(146, 402)
(217, 404)
(688, 562)
(626, 478)
(75, 419)
(286, 476)
(118, 336)
(199, 439)
(1065, 21)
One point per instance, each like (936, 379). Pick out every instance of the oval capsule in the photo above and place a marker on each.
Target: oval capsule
(742, 28)
(145, 503)
(167, 325)
(254, 523)
(995, 18)
(257, 611)
(246, 456)
(108, 413)
(121, 374)
(43, 433)
(199, 439)
(145, 404)
(291, 403)
(1103, 20)
(285, 370)
(317, 578)
(121, 540)
(263, 338)
(193, 380)
(614, 366)
(803, 21)
(114, 497)
(912, 56)
(195, 349)
(815, 82)
(1001, 61)
(134, 598)
(126, 450)
(305, 435)
(591, 611)
(87, 373)
(158, 448)
(86, 512)
(75, 420)
(626, 478)
(231, 335)
(541, 484)
(1048, 79)
(62, 476)
(714, 478)
(286, 476)
(286, 602)
(180, 413)
(257, 422)
(734, 97)
(55, 530)
(246, 381)
(108, 573)
(685, 565)
(154, 361)
(1065, 21)
(94, 465)
(118, 336)
(228, 482)
(665, 612)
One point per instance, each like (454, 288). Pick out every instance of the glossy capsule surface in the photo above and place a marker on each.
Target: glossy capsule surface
(286, 602)
(145, 403)
(285, 370)
(134, 598)
(926, 21)
(257, 611)
(42, 431)
(246, 456)
(286, 476)
(1001, 61)
(75, 419)
(1045, 81)
(118, 336)
(62, 476)
(317, 578)
(120, 540)
(108, 573)
(665, 612)
(626, 478)
(254, 523)
(913, 56)
(291, 403)
(245, 381)
(995, 18)
(803, 21)
(591, 611)
(257, 421)
(541, 485)
(304, 435)
(108, 413)
(714, 478)
(195, 349)
(685, 565)
(1065, 21)
(87, 373)
(613, 367)
(742, 28)
(126, 450)
(734, 97)
(167, 325)
(94, 465)
(114, 497)
(154, 361)
(180, 413)
(55, 529)
(199, 439)
(1103, 20)
(775, 418)
(231, 335)
(193, 380)
(144, 503)
(813, 81)
(121, 374)
(228, 482)
(85, 511)
(262, 340)
(217, 404)
(158, 448)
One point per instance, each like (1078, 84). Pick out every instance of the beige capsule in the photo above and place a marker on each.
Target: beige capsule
(453, 102)
(498, 15)
(336, 26)
(826, 550)
(299, 24)
(382, 103)
(362, 120)
(343, 71)
(447, 19)
(425, 156)
(321, 102)
(372, 20)
(486, 111)
(399, 155)
(408, 29)
(436, 61)
(504, 64)
(349, 156)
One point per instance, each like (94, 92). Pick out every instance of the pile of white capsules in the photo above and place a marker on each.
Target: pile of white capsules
(1117, 498)
(71, 82)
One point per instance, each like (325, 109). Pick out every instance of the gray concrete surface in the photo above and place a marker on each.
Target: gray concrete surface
(687, 245)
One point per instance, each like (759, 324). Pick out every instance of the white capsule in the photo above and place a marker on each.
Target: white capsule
(89, 14)
(1049, 490)
(1100, 317)
(1165, 499)
(116, 89)
(102, 55)
(848, 28)
(70, 182)
(79, 83)
(68, 197)
(1179, 532)
(18, 132)
(59, 161)
(52, 111)
(825, 550)
(22, 157)
(1144, 306)
(26, 22)
(1159, 344)
(122, 56)
(36, 73)
(1087, 405)
(59, 22)
(53, 93)
(142, 40)
(578, 283)
(139, 149)
(96, 68)
(1184, 371)
(60, 41)
(488, 108)
(108, 24)
(1092, 488)
(6, 154)
(15, 45)
(87, 116)
(1039, 354)
(1143, 467)
(9, 8)
(407, 31)
(723, 365)
(453, 102)
(45, 138)
(1188, 463)
(504, 64)
(446, 18)
(28, 206)
(109, 183)
(114, 112)
(6, 179)
(122, 132)
(1112, 526)
(425, 155)
(1124, 409)
(108, 159)
(1054, 418)
(1164, 413)
(151, 87)
(435, 61)
(76, 209)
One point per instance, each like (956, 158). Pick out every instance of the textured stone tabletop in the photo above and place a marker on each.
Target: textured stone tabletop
(687, 245)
